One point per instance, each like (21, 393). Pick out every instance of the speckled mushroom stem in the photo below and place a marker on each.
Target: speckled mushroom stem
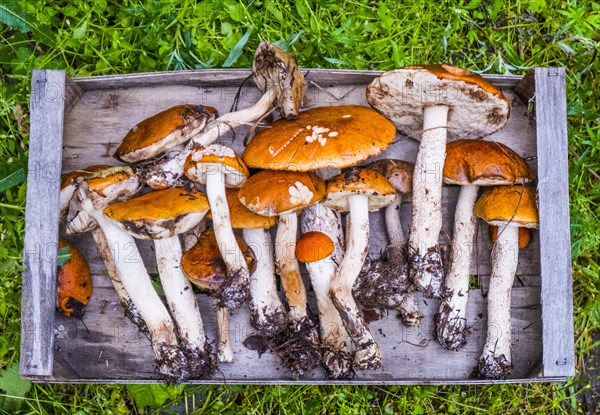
(495, 361)
(171, 360)
(166, 173)
(267, 313)
(451, 321)
(425, 259)
(368, 354)
(409, 306)
(183, 306)
(235, 291)
(224, 345)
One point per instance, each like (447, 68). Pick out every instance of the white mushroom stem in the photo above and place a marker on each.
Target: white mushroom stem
(166, 173)
(289, 271)
(135, 279)
(180, 296)
(368, 355)
(268, 315)
(235, 293)
(452, 319)
(495, 361)
(427, 198)
(224, 347)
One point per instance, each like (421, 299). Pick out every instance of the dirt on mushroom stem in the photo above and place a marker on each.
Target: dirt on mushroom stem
(433, 264)
(235, 290)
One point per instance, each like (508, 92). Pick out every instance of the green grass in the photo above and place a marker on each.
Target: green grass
(104, 37)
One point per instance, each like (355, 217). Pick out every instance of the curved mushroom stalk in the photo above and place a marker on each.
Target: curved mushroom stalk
(268, 315)
(452, 330)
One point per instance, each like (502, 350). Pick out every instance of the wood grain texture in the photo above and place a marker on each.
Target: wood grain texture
(41, 222)
(553, 201)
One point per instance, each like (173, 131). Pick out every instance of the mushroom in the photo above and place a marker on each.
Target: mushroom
(277, 76)
(162, 215)
(204, 267)
(508, 207)
(163, 131)
(432, 103)
(218, 167)
(357, 191)
(470, 164)
(284, 194)
(74, 286)
(171, 360)
(317, 250)
(524, 235)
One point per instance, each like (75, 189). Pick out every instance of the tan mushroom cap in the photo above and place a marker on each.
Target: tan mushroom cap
(477, 108)
(524, 235)
(512, 205)
(273, 193)
(359, 181)
(314, 246)
(204, 265)
(68, 186)
(74, 284)
(207, 160)
(398, 172)
(338, 136)
(160, 213)
(484, 163)
(243, 218)
(162, 131)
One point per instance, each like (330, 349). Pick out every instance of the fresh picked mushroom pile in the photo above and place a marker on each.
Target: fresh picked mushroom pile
(209, 212)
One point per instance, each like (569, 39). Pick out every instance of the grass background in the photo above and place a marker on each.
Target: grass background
(110, 37)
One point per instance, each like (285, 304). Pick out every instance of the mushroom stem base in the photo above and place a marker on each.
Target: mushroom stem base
(427, 271)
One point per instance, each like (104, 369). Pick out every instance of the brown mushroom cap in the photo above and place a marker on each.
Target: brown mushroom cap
(163, 131)
(207, 160)
(273, 193)
(204, 265)
(74, 283)
(398, 172)
(338, 136)
(68, 186)
(161, 213)
(359, 181)
(314, 246)
(484, 163)
(524, 236)
(478, 108)
(504, 205)
(243, 218)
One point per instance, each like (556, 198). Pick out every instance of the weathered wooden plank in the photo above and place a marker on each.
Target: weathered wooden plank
(41, 222)
(114, 349)
(553, 200)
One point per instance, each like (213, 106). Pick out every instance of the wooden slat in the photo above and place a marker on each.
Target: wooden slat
(41, 222)
(553, 200)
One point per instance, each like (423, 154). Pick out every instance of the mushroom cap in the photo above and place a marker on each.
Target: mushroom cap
(160, 213)
(524, 235)
(273, 193)
(314, 246)
(162, 131)
(484, 163)
(321, 137)
(477, 108)
(508, 205)
(74, 285)
(359, 181)
(204, 265)
(398, 172)
(243, 218)
(68, 186)
(215, 157)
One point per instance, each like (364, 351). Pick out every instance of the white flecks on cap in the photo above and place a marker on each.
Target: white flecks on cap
(300, 194)
(317, 135)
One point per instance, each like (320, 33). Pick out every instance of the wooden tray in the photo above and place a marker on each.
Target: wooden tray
(79, 122)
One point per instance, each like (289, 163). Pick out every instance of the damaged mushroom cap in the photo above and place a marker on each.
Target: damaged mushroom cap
(478, 108)
(242, 217)
(508, 205)
(314, 246)
(74, 283)
(207, 160)
(159, 214)
(524, 235)
(484, 163)
(359, 181)
(272, 193)
(162, 131)
(338, 136)
(68, 186)
(204, 265)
